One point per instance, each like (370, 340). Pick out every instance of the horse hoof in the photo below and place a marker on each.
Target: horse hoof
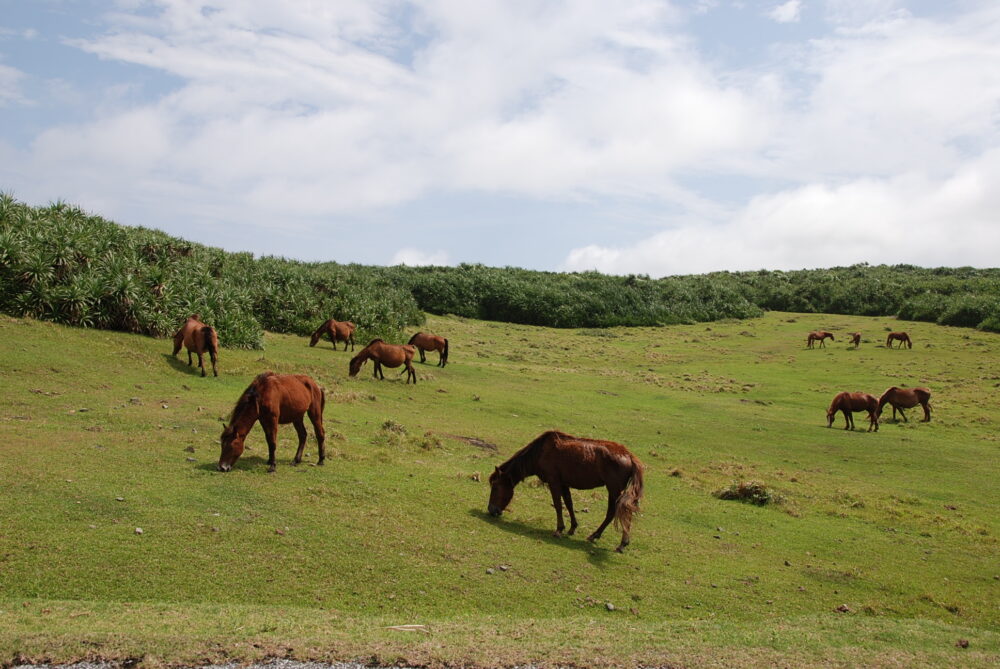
(271, 470)
(557, 534)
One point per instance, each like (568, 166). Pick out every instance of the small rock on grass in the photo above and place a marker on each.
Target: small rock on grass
(138, 530)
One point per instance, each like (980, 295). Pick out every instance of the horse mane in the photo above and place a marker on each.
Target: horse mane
(520, 465)
(413, 337)
(376, 340)
(249, 395)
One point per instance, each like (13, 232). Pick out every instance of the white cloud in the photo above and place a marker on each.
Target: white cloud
(10, 79)
(416, 257)
(907, 219)
(787, 12)
(302, 115)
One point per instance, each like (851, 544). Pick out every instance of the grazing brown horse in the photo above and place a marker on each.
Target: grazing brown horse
(274, 399)
(337, 331)
(902, 337)
(201, 339)
(565, 462)
(820, 336)
(429, 342)
(906, 398)
(390, 355)
(849, 403)
(855, 339)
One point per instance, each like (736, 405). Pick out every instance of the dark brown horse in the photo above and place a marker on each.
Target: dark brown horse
(390, 355)
(906, 398)
(901, 337)
(199, 338)
(855, 339)
(820, 336)
(274, 399)
(337, 331)
(848, 403)
(428, 342)
(565, 462)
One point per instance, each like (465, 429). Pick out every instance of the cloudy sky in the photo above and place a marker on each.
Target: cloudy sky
(659, 137)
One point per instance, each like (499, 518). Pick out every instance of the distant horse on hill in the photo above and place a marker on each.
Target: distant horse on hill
(906, 398)
(820, 336)
(199, 338)
(848, 403)
(901, 337)
(563, 462)
(428, 342)
(390, 355)
(274, 399)
(337, 331)
(855, 339)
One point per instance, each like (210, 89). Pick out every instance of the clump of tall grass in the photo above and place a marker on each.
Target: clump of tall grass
(751, 492)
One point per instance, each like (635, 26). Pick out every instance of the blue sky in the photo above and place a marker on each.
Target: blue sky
(635, 136)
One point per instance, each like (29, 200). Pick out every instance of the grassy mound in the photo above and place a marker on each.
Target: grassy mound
(883, 551)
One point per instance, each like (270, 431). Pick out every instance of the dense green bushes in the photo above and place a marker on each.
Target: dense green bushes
(60, 264)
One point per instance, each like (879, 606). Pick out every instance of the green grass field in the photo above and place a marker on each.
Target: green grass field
(103, 433)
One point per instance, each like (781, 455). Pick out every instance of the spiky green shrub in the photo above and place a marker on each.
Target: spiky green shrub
(59, 263)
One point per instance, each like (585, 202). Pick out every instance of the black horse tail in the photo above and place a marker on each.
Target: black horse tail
(628, 501)
(413, 337)
(208, 337)
(444, 356)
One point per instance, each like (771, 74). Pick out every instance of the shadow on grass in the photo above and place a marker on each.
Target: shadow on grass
(257, 464)
(597, 554)
(181, 366)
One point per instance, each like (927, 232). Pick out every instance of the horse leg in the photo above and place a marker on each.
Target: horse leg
(270, 426)
(872, 421)
(377, 371)
(927, 411)
(440, 359)
(410, 372)
(423, 357)
(189, 357)
(848, 419)
(556, 490)
(612, 501)
(201, 363)
(300, 429)
(316, 418)
(178, 342)
(569, 507)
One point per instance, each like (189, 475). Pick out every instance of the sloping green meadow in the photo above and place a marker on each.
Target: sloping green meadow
(102, 433)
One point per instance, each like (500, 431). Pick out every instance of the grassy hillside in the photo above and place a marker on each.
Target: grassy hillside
(103, 433)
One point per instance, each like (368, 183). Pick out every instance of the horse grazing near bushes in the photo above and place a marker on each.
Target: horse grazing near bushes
(428, 342)
(199, 338)
(390, 355)
(855, 339)
(820, 336)
(563, 462)
(848, 403)
(337, 331)
(901, 337)
(906, 398)
(272, 400)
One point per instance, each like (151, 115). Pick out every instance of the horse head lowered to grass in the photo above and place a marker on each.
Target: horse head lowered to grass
(272, 400)
(390, 355)
(200, 339)
(563, 462)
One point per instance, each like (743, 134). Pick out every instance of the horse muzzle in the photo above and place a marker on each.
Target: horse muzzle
(224, 467)
(495, 511)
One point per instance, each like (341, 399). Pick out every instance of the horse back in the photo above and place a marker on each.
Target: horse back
(584, 463)
(288, 396)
